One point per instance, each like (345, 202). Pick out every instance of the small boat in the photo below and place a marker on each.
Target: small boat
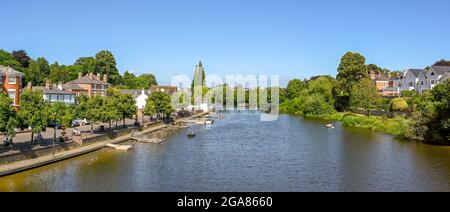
(209, 122)
(191, 134)
(329, 126)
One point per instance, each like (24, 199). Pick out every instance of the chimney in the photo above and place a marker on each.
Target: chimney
(48, 84)
(99, 76)
(80, 75)
(60, 86)
(91, 76)
(105, 78)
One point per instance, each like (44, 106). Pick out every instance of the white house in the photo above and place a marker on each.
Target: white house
(141, 100)
(140, 96)
(427, 80)
(411, 79)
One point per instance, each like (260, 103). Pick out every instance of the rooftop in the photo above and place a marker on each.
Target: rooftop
(8, 71)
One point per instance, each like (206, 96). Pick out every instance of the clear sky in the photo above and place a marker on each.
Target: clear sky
(292, 38)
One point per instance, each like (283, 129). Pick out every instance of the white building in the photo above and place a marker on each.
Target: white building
(429, 79)
(411, 79)
(140, 96)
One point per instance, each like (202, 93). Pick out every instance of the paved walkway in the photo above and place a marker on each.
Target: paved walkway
(48, 159)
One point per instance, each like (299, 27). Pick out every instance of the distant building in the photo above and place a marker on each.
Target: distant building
(90, 84)
(411, 79)
(11, 84)
(56, 93)
(140, 96)
(165, 89)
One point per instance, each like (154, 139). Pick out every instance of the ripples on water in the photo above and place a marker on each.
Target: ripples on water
(240, 153)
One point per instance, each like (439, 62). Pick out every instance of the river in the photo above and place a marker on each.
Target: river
(240, 153)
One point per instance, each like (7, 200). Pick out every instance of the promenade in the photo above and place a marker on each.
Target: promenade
(20, 166)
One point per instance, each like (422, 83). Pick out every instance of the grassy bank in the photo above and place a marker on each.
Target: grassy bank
(397, 126)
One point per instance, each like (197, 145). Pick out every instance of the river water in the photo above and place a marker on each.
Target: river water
(240, 153)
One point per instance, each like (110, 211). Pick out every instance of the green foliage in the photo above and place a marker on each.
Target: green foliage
(34, 111)
(161, 102)
(316, 104)
(399, 104)
(105, 63)
(397, 126)
(8, 120)
(7, 59)
(365, 95)
(294, 88)
(131, 81)
(442, 63)
(351, 70)
(63, 73)
(408, 93)
(37, 72)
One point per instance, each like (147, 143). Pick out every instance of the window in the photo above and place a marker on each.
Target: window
(1, 79)
(12, 95)
(421, 82)
(432, 82)
(411, 84)
(12, 80)
(432, 73)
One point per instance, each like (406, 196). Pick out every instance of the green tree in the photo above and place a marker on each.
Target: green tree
(294, 88)
(399, 104)
(365, 95)
(87, 64)
(37, 71)
(162, 102)
(8, 60)
(351, 70)
(57, 115)
(125, 105)
(34, 111)
(105, 63)
(316, 105)
(8, 120)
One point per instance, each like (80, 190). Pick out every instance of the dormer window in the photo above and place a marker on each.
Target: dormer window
(432, 74)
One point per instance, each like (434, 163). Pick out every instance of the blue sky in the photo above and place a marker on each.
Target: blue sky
(292, 38)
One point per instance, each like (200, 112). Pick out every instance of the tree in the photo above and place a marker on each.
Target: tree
(105, 63)
(87, 64)
(8, 121)
(59, 114)
(150, 107)
(37, 71)
(22, 57)
(365, 95)
(294, 88)
(34, 111)
(162, 102)
(8, 60)
(442, 63)
(97, 110)
(399, 104)
(146, 81)
(351, 70)
(125, 105)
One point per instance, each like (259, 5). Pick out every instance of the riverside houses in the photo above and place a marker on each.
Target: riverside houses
(90, 84)
(56, 93)
(11, 84)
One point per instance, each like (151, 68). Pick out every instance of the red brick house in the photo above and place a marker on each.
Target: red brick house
(11, 84)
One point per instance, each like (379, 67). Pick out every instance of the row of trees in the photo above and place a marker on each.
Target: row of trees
(37, 115)
(39, 70)
(325, 95)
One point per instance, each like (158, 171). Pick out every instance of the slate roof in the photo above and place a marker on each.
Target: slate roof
(51, 91)
(440, 70)
(8, 71)
(87, 80)
(73, 87)
(416, 72)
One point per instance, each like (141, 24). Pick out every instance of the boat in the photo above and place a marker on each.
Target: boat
(329, 126)
(191, 134)
(209, 121)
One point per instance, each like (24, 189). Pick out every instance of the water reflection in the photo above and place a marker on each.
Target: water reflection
(240, 153)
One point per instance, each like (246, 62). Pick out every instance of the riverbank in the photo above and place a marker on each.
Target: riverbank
(397, 126)
(24, 165)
